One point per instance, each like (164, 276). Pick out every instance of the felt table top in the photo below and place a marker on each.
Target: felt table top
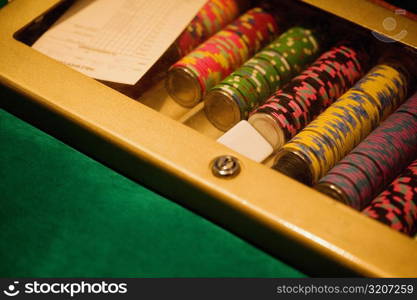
(63, 214)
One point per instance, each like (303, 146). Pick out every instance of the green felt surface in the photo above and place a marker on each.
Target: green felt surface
(63, 214)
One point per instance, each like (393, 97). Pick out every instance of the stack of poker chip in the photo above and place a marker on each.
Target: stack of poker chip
(376, 161)
(211, 18)
(290, 109)
(190, 77)
(317, 148)
(396, 206)
(242, 91)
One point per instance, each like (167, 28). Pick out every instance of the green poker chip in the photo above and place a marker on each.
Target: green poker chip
(236, 96)
(245, 87)
(270, 69)
(257, 79)
(282, 68)
(266, 69)
(298, 46)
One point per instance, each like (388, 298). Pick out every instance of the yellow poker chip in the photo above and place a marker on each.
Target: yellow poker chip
(334, 131)
(373, 113)
(362, 106)
(342, 126)
(379, 83)
(329, 151)
(364, 126)
(309, 156)
(351, 122)
(366, 110)
(312, 146)
(332, 136)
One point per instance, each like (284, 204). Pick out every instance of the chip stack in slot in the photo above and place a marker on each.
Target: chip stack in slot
(190, 77)
(396, 206)
(376, 161)
(242, 91)
(291, 108)
(317, 148)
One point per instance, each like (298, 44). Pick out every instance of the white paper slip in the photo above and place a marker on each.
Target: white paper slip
(116, 40)
(244, 139)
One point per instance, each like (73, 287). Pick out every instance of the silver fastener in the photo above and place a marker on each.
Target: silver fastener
(225, 166)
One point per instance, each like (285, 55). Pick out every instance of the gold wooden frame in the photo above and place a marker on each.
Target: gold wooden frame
(268, 208)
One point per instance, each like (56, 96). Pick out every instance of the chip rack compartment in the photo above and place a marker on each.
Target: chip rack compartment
(105, 124)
